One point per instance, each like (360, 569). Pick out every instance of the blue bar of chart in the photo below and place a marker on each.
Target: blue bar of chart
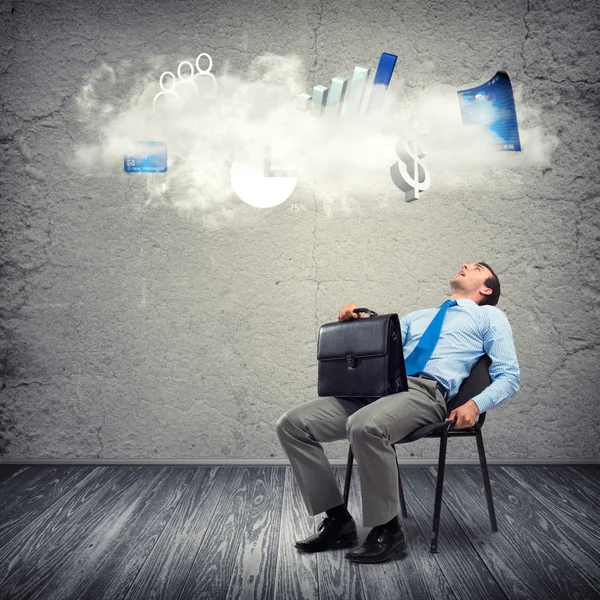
(381, 81)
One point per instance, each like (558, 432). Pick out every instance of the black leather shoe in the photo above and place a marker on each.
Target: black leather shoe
(379, 545)
(331, 533)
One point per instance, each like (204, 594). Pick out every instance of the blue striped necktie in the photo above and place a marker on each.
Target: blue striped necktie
(415, 362)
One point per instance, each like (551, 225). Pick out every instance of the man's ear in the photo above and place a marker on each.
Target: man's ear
(486, 291)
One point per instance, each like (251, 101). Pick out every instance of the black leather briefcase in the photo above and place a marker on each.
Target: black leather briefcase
(361, 357)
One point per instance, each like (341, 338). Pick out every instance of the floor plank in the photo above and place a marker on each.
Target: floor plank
(588, 473)
(575, 500)
(35, 496)
(551, 551)
(501, 551)
(585, 534)
(8, 470)
(296, 577)
(170, 559)
(573, 484)
(41, 548)
(21, 543)
(338, 577)
(134, 518)
(255, 564)
(210, 574)
(222, 558)
(25, 480)
(456, 554)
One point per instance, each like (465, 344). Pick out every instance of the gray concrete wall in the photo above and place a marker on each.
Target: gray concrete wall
(132, 328)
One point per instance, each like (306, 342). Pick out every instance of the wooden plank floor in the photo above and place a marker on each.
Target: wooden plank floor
(179, 532)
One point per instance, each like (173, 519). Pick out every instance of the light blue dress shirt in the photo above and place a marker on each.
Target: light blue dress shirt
(468, 332)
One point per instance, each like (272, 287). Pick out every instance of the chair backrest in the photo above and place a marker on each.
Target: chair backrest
(477, 380)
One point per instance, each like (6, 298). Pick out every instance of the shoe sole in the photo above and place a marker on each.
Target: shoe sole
(345, 541)
(401, 548)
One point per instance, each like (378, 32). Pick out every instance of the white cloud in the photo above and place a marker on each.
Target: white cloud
(345, 153)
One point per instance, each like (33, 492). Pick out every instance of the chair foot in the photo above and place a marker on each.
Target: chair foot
(439, 487)
(400, 488)
(486, 478)
(348, 475)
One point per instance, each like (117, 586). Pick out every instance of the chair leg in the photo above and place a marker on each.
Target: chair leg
(348, 475)
(438, 491)
(400, 489)
(486, 478)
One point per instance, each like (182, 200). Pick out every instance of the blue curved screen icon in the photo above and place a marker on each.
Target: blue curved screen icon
(493, 104)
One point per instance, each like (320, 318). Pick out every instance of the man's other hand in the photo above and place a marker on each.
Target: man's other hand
(465, 415)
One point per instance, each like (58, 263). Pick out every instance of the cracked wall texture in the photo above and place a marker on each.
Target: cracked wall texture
(128, 331)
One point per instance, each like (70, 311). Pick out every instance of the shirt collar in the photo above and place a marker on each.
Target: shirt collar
(465, 301)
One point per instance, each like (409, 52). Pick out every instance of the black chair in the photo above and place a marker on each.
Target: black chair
(478, 379)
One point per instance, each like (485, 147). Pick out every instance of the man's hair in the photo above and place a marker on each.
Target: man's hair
(491, 282)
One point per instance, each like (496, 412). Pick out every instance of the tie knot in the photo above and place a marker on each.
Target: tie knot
(449, 303)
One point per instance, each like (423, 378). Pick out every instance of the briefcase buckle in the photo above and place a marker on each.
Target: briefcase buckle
(350, 361)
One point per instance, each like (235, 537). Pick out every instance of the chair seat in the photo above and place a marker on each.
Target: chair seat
(434, 430)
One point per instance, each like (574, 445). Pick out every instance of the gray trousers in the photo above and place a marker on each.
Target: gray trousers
(371, 429)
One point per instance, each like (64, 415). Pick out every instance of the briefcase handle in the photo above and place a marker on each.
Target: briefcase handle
(372, 313)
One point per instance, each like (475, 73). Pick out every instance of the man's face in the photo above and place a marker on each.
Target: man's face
(470, 278)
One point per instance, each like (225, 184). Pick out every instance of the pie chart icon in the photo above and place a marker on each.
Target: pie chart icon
(255, 180)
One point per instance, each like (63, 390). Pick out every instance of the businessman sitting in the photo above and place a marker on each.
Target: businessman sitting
(441, 345)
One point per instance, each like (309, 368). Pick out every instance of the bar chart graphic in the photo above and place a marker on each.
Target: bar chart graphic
(347, 97)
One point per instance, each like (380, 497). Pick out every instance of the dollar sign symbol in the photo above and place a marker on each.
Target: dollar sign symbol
(410, 175)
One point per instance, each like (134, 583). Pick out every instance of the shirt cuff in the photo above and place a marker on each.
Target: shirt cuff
(483, 403)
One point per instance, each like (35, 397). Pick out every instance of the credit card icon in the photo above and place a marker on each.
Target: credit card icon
(146, 157)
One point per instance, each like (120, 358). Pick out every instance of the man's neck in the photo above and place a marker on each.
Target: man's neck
(459, 296)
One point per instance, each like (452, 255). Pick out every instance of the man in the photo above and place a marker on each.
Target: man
(452, 338)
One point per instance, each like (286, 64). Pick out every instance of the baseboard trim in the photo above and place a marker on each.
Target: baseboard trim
(284, 462)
